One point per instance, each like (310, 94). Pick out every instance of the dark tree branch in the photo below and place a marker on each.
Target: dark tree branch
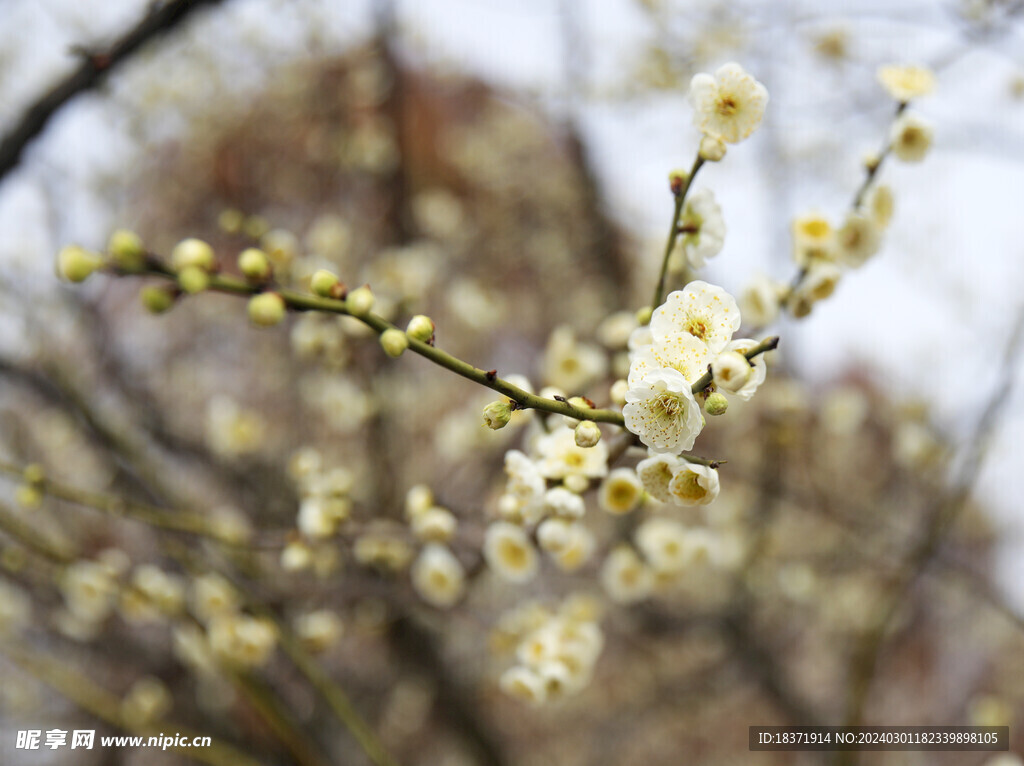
(91, 71)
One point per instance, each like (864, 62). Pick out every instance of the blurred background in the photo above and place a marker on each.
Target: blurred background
(503, 169)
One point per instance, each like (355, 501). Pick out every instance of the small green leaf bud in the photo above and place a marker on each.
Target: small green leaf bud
(192, 252)
(643, 316)
(75, 263)
(712, 149)
(324, 283)
(127, 250)
(266, 309)
(253, 263)
(497, 414)
(393, 342)
(156, 300)
(587, 434)
(420, 328)
(716, 404)
(193, 279)
(359, 302)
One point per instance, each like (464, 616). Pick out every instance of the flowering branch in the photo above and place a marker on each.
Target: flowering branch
(680, 188)
(297, 301)
(768, 344)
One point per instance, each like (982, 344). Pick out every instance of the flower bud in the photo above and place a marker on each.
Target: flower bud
(393, 342)
(497, 414)
(716, 404)
(420, 328)
(359, 302)
(192, 252)
(193, 279)
(323, 283)
(712, 149)
(75, 263)
(643, 316)
(579, 403)
(156, 300)
(253, 263)
(28, 496)
(266, 309)
(618, 392)
(731, 371)
(587, 434)
(677, 180)
(127, 250)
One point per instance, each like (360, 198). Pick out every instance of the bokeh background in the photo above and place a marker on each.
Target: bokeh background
(503, 168)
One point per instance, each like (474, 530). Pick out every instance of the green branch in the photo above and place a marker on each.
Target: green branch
(673, 232)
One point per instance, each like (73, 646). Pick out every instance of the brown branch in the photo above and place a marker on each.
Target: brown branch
(90, 73)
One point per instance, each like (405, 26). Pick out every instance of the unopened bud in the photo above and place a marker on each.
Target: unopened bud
(716, 404)
(193, 279)
(359, 302)
(618, 392)
(677, 180)
(393, 342)
(76, 264)
(323, 283)
(420, 328)
(28, 497)
(579, 403)
(266, 309)
(253, 263)
(497, 414)
(587, 434)
(712, 149)
(731, 371)
(192, 252)
(127, 250)
(157, 300)
(643, 316)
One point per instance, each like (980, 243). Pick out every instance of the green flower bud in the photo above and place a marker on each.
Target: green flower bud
(75, 263)
(157, 300)
(497, 414)
(192, 252)
(420, 328)
(580, 403)
(253, 263)
(324, 283)
(359, 302)
(28, 497)
(716, 404)
(34, 473)
(230, 220)
(266, 309)
(677, 180)
(193, 279)
(127, 250)
(643, 316)
(393, 342)
(587, 434)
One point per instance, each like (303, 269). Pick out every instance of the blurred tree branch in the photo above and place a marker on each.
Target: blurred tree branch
(90, 73)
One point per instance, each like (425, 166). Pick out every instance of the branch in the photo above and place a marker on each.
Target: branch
(307, 302)
(93, 69)
(673, 233)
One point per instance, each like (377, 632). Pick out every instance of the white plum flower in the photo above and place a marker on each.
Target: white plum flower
(626, 577)
(523, 684)
(621, 492)
(509, 552)
(705, 311)
(858, 240)
(656, 474)
(730, 371)
(728, 105)
(702, 229)
(694, 484)
(911, 137)
(758, 370)
(662, 411)
(562, 458)
(670, 547)
(561, 502)
(437, 576)
(680, 351)
(905, 83)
